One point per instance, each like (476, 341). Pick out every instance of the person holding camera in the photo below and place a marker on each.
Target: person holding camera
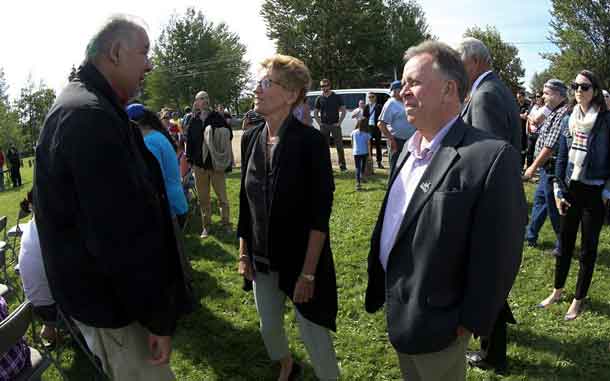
(581, 187)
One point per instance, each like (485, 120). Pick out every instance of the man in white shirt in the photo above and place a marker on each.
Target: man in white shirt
(430, 259)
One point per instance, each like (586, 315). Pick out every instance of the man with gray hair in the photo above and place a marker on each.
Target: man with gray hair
(555, 94)
(430, 259)
(106, 234)
(491, 107)
(209, 151)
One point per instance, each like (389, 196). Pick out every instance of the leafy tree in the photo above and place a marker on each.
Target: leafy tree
(32, 106)
(581, 31)
(505, 56)
(193, 54)
(352, 42)
(3, 88)
(72, 74)
(10, 131)
(539, 79)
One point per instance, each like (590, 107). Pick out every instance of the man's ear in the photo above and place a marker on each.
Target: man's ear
(114, 53)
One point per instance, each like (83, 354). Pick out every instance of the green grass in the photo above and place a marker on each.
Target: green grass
(222, 342)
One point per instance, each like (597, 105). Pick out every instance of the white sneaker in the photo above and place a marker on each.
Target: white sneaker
(204, 233)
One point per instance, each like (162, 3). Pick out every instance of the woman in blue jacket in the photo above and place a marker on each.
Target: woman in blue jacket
(582, 174)
(161, 145)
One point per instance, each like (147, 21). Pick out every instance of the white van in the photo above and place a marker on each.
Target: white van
(350, 100)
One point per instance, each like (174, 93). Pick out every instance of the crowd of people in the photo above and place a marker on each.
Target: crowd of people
(105, 246)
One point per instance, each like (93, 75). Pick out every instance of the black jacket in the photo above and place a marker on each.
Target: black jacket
(302, 201)
(458, 249)
(366, 113)
(105, 229)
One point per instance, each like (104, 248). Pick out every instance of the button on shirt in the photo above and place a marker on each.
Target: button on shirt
(405, 185)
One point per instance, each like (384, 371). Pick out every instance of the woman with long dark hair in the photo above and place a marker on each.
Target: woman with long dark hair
(581, 186)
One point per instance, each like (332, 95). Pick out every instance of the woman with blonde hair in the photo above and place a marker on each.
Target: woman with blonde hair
(286, 198)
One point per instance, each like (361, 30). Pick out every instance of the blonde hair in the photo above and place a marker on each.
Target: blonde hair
(291, 72)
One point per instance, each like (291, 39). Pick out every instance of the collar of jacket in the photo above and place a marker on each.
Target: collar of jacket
(91, 76)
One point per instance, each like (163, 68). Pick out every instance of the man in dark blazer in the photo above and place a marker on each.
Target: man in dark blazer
(444, 252)
(371, 112)
(491, 107)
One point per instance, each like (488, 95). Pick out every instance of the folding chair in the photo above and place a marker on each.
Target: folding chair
(4, 247)
(13, 328)
(16, 231)
(190, 191)
(65, 322)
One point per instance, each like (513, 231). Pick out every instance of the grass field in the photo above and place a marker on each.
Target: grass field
(221, 341)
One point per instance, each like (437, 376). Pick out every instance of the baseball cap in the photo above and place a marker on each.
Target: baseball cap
(395, 85)
(135, 111)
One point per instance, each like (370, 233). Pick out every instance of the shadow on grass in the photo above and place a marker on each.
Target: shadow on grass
(578, 359)
(603, 258)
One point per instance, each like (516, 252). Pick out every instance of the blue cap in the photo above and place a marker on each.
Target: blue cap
(395, 85)
(135, 111)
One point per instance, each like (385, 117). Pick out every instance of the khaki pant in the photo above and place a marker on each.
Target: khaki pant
(203, 179)
(124, 353)
(448, 364)
(270, 304)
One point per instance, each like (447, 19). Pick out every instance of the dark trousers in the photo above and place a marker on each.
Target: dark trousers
(376, 141)
(16, 176)
(360, 161)
(493, 347)
(587, 210)
(531, 147)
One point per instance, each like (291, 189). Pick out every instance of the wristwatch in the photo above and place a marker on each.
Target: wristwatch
(308, 277)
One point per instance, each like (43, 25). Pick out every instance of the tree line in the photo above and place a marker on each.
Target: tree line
(354, 43)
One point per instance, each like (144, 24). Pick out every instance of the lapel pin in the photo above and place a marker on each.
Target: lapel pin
(425, 187)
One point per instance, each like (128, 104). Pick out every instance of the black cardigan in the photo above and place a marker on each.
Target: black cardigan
(302, 201)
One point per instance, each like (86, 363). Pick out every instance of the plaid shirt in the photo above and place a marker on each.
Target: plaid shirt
(17, 358)
(551, 130)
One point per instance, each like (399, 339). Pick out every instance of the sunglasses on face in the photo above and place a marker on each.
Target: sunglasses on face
(582, 86)
(324, 86)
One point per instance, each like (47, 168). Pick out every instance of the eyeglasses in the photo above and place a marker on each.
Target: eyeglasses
(324, 85)
(266, 83)
(583, 86)
(371, 97)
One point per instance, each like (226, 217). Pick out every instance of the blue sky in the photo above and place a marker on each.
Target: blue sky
(52, 38)
(526, 24)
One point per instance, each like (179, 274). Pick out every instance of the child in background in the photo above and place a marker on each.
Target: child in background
(361, 146)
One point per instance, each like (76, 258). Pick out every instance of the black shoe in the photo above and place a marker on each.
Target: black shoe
(532, 244)
(380, 166)
(476, 360)
(343, 168)
(296, 373)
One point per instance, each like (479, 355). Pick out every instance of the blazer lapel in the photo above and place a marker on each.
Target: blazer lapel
(441, 162)
(466, 107)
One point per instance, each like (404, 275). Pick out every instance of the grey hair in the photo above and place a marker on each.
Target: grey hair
(117, 27)
(471, 47)
(203, 95)
(446, 60)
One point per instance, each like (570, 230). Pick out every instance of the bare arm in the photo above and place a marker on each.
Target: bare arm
(342, 113)
(303, 291)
